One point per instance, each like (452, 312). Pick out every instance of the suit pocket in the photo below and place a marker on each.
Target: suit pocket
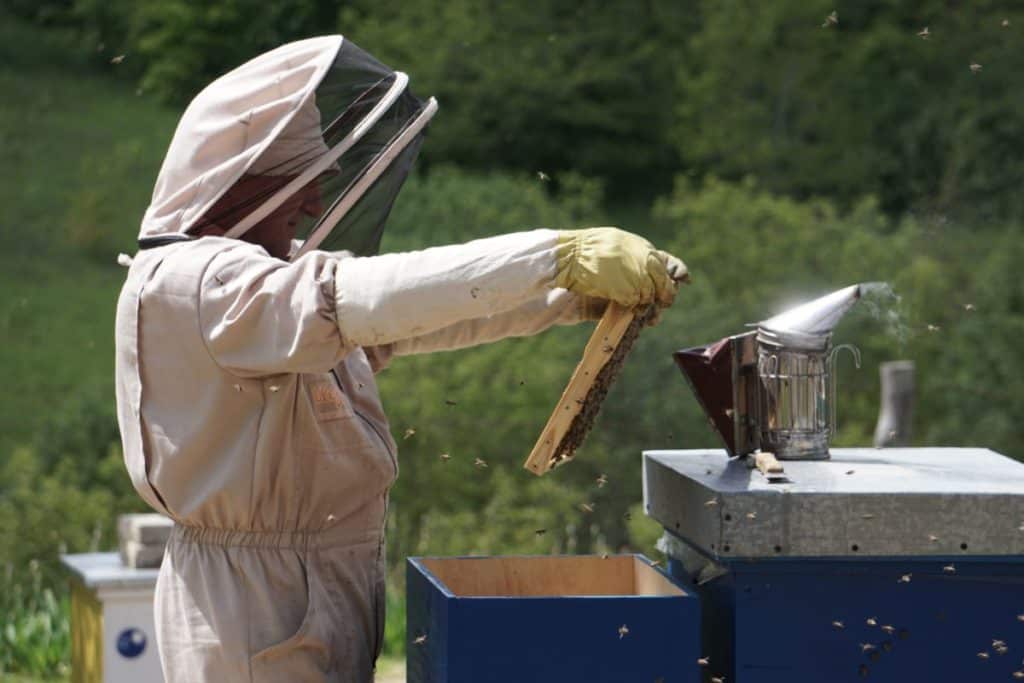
(305, 655)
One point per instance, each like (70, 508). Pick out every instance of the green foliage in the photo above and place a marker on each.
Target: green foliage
(35, 634)
(865, 106)
(754, 252)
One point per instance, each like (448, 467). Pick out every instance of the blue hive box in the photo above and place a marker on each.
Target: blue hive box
(891, 565)
(538, 619)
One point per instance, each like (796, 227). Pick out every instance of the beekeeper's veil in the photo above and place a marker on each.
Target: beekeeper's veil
(318, 112)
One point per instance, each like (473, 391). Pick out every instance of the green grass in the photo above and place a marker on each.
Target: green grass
(78, 154)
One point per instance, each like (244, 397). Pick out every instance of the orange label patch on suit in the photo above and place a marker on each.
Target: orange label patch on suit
(329, 403)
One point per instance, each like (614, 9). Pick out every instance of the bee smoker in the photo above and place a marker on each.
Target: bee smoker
(774, 389)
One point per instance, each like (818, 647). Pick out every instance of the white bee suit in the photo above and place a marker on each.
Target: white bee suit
(247, 402)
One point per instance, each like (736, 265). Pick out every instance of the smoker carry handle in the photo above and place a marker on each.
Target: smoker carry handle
(832, 380)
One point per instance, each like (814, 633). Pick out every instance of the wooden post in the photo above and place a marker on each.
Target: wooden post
(896, 413)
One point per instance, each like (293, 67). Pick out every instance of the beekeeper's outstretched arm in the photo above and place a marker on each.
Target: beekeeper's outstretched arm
(267, 317)
(512, 285)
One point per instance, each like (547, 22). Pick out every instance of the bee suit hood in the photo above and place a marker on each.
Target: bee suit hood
(314, 112)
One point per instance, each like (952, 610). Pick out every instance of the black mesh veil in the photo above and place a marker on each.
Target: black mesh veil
(363, 110)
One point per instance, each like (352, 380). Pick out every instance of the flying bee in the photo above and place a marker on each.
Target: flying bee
(420, 640)
(602, 480)
(904, 579)
(540, 532)
(445, 457)
(751, 515)
(1018, 674)
(933, 538)
(408, 432)
(839, 625)
(936, 328)
(117, 60)
(627, 516)
(587, 507)
(450, 402)
(704, 661)
(975, 67)
(479, 462)
(623, 630)
(949, 569)
(543, 177)
(831, 20)
(850, 471)
(1006, 22)
(866, 647)
(718, 679)
(983, 655)
(889, 629)
(923, 33)
(968, 307)
(871, 621)
(711, 503)
(997, 644)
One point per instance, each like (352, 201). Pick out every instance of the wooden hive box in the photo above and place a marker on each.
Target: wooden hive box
(548, 618)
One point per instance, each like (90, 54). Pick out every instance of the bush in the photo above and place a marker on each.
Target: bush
(35, 634)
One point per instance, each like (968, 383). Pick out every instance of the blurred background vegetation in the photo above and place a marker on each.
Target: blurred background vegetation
(779, 152)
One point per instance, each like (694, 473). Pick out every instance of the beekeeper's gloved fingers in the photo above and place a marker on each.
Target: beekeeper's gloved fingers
(677, 270)
(609, 263)
(667, 274)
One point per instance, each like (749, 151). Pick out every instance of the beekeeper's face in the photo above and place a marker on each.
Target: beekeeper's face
(275, 232)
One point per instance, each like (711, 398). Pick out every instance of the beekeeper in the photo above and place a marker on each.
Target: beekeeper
(248, 332)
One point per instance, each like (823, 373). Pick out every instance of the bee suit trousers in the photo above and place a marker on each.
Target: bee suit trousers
(249, 414)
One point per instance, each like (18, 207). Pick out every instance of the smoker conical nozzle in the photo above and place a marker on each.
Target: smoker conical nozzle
(816, 317)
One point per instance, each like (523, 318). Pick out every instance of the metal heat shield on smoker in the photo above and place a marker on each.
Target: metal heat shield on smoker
(723, 377)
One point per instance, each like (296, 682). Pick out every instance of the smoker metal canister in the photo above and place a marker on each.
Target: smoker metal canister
(796, 406)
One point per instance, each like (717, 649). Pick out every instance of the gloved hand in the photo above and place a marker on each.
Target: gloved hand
(608, 263)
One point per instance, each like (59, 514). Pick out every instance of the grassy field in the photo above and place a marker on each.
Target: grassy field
(78, 154)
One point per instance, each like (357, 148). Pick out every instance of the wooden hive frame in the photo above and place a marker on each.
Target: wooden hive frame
(576, 410)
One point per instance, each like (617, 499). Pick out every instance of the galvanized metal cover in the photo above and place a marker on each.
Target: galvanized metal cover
(105, 571)
(863, 502)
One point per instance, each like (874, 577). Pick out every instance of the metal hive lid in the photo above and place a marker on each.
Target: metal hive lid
(898, 502)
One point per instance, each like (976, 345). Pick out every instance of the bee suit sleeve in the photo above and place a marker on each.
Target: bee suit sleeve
(452, 296)
(557, 307)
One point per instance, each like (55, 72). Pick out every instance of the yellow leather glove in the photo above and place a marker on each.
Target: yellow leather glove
(608, 263)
